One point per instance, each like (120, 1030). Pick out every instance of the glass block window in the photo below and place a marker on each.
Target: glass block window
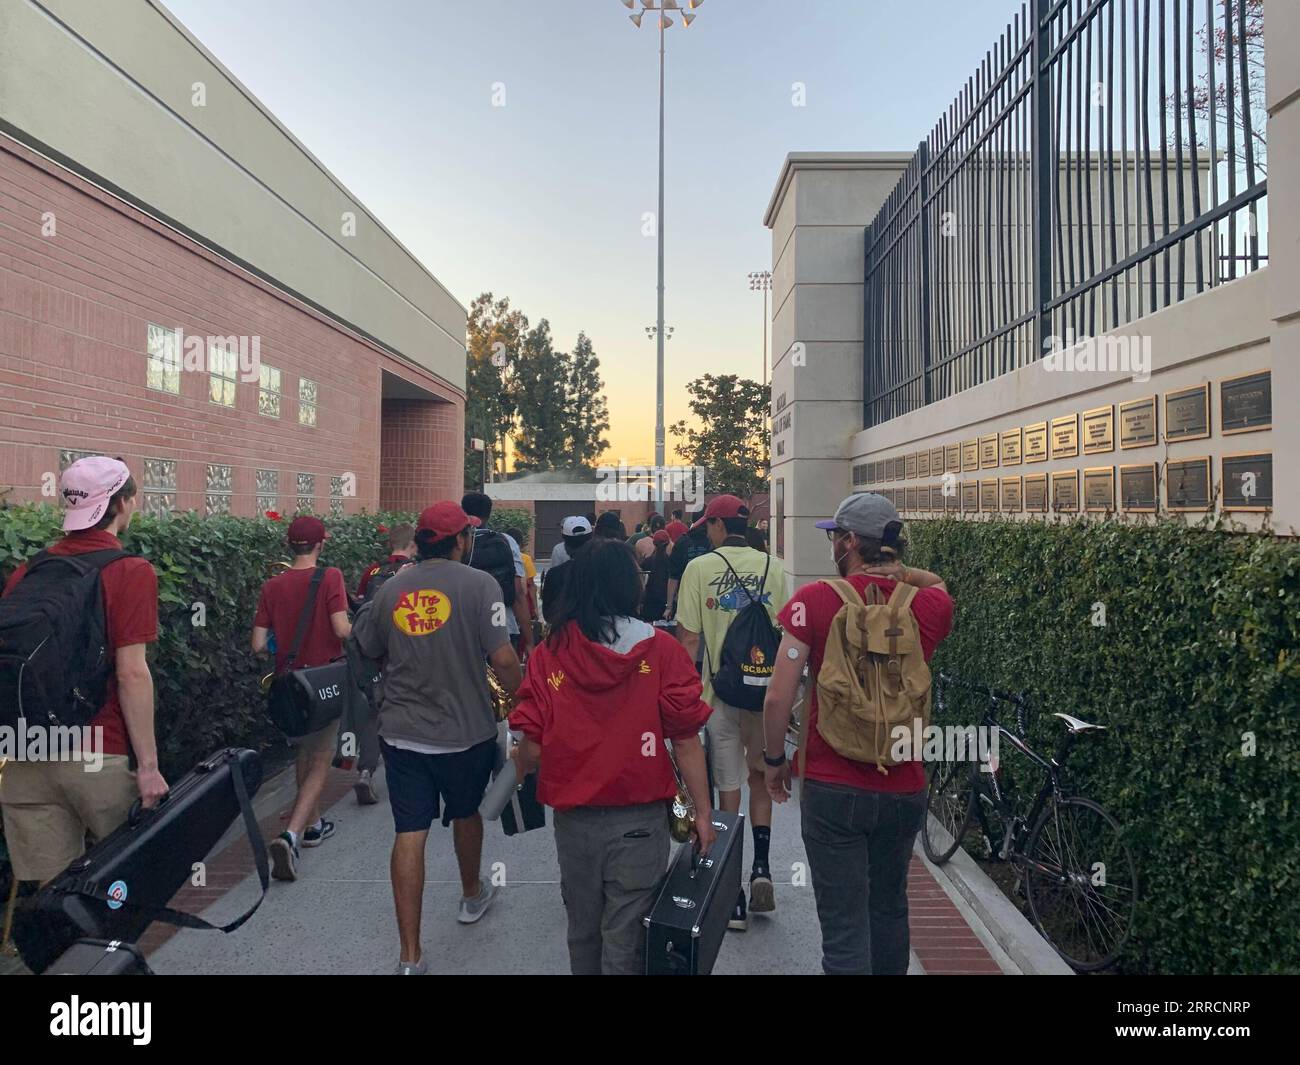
(159, 486)
(306, 492)
(163, 349)
(268, 490)
(306, 402)
(220, 488)
(222, 374)
(67, 458)
(336, 497)
(268, 391)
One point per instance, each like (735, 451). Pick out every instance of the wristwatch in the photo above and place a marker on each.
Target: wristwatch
(774, 763)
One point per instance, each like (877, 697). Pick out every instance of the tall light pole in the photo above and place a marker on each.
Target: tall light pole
(663, 7)
(762, 281)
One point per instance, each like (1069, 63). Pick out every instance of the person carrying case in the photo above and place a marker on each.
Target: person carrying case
(304, 701)
(688, 921)
(124, 883)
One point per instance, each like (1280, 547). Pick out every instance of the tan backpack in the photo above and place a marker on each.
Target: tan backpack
(873, 675)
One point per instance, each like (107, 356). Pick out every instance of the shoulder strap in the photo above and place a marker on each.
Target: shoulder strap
(305, 617)
(87, 562)
(739, 583)
(847, 593)
(902, 597)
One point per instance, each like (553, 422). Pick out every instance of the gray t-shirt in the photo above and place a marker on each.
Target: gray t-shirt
(434, 623)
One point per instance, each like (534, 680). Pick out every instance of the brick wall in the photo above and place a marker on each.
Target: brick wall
(76, 303)
(422, 446)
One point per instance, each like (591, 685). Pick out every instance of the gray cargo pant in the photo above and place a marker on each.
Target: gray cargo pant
(611, 859)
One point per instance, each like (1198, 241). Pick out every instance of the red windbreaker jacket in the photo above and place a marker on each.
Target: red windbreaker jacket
(601, 718)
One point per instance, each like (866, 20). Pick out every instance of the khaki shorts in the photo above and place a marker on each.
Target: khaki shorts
(49, 807)
(735, 743)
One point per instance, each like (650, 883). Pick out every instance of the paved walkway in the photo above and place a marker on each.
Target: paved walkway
(338, 916)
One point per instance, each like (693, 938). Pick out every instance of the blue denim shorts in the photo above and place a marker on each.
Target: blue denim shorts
(417, 782)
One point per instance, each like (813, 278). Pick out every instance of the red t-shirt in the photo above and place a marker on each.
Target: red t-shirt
(818, 604)
(130, 588)
(280, 605)
(364, 583)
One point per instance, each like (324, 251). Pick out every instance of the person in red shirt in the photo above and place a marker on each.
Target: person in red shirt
(602, 694)
(281, 604)
(49, 807)
(859, 822)
(401, 549)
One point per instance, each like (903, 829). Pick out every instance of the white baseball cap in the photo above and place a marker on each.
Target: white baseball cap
(575, 526)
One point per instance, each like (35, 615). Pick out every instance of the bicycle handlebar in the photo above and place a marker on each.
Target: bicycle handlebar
(994, 694)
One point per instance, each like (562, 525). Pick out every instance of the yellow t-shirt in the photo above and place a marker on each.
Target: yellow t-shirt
(709, 597)
(530, 571)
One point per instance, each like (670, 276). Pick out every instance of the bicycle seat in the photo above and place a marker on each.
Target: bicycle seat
(1075, 725)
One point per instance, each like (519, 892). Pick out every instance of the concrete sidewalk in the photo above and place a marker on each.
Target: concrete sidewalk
(338, 916)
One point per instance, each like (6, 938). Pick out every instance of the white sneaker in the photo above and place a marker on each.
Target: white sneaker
(412, 968)
(472, 909)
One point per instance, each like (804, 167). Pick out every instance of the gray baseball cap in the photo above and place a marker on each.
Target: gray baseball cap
(865, 513)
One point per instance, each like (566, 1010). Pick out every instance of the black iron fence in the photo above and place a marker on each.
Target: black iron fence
(1107, 160)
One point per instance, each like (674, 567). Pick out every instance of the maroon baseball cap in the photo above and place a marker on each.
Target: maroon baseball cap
(445, 518)
(723, 507)
(306, 529)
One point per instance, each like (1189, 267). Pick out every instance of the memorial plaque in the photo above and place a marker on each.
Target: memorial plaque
(900, 467)
(970, 497)
(989, 496)
(923, 499)
(952, 458)
(1187, 484)
(952, 500)
(1036, 442)
(1099, 430)
(970, 455)
(909, 469)
(989, 452)
(1065, 491)
(1065, 437)
(1036, 493)
(1187, 413)
(1246, 404)
(1011, 447)
(923, 463)
(871, 473)
(936, 461)
(1011, 494)
(910, 500)
(1248, 481)
(1099, 489)
(1137, 422)
(1137, 488)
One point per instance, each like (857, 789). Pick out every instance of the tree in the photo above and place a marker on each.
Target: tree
(493, 335)
(539, 389)
(587, 412)
(731, 442)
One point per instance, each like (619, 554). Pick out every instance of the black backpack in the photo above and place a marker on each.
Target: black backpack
(54, 656)
(492, 555)
(388, 569)
(748, 654)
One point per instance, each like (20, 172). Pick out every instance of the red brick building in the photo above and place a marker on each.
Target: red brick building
(238, 328)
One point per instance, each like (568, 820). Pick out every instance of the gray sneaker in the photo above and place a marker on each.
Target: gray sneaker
(284, 857)
(412, 968)
(364, 788)
(472, 909)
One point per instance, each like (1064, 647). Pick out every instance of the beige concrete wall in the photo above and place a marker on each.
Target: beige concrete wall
(111, 87)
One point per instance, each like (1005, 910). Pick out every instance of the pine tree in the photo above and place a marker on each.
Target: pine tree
(587, 411)
(494, 335)
(539, 389)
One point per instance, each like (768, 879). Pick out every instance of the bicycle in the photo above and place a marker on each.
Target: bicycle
(1073, 866)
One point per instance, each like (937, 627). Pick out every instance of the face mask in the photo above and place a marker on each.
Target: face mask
(840, 560)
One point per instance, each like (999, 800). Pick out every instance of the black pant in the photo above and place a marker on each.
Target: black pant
(859, 845)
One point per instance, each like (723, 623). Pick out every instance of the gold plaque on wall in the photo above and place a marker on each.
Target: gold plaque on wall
(1099, 489)
(970, 455)
(923, 464)
(1036, 443)
(1137, 488)
(989, 496)
(1065, 491)
(1011, 494)
(1011, 447)
(936, 461)
(1065, 437)
(988, 452)
(970, 497)
(909, 467)
(1187, 484)
(1248, 481)
(1099, 430)
(1246, 404)
(1035, 493)
(1187, 413)
(1137, 422)
(909, 499)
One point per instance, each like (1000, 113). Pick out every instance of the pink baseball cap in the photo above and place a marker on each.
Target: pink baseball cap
(87, 486)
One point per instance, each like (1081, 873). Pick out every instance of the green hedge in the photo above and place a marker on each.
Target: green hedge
(1201, 645)
(205, 677)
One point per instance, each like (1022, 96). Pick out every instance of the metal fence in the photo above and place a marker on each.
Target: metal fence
(1106, 160)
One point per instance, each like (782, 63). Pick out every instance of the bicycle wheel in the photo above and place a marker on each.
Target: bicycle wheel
(950, 805)
(1081, 883)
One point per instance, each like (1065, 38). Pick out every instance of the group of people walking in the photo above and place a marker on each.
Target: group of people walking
(637, 661)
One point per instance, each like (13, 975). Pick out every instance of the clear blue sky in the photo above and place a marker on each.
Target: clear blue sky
(542, 199)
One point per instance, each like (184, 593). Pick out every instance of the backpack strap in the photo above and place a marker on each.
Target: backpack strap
(900, 600)
(304, 618)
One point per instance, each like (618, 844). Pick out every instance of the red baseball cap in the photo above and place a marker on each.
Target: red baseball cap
(306, 529)
(445, 518)
(661, 536)
(723, 507)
